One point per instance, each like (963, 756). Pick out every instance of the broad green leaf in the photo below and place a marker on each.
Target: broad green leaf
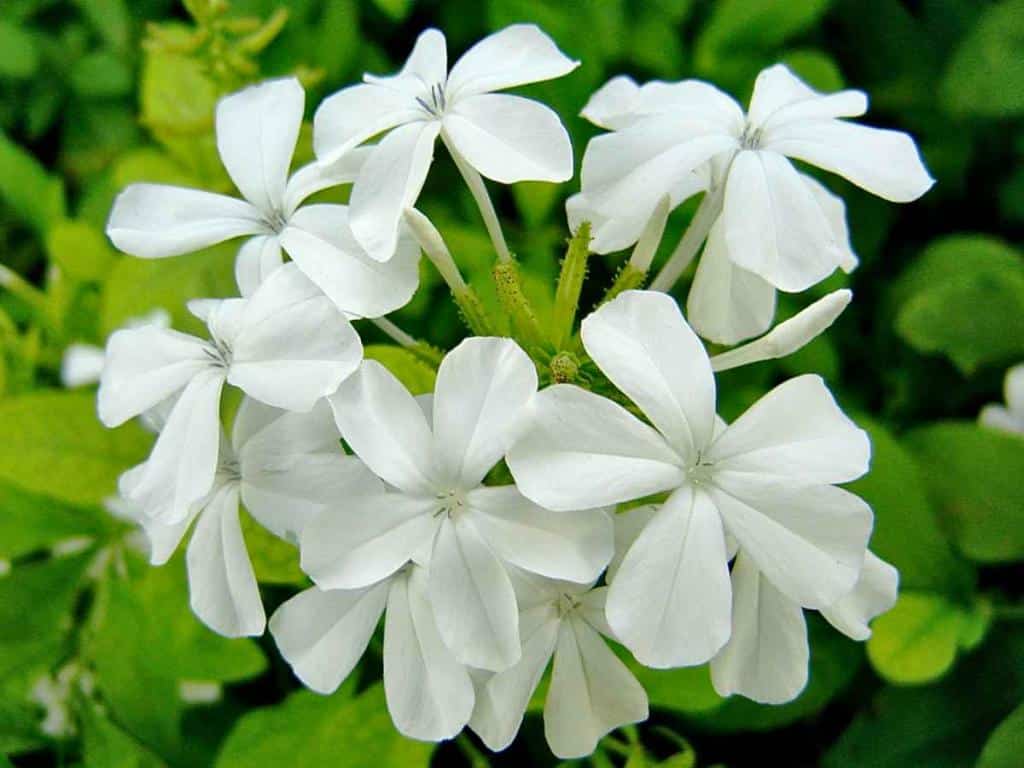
(1005, 744)
(906, 531)
(687, 689)
(19, 53)
(152, 165)
(416, 375)
(655, 45)
(80, 250)
(106, 745)
(974, 476)
(30, 522)
(985, 77)
(33, 195)
(396, 9)
(316, 731)
(274, 561)
(917, 641)
(102, 75)
(54, 445)
(110, 18)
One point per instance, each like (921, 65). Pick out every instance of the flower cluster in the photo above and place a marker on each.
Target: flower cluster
(727, 532)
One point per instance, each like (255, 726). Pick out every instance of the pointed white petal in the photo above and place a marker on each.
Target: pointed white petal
(502, 701)
(221, 582)
(257, 128)
(426, 66)
(591, 694)
(611, 105)
(580, 450)
(669, 603)
(808, 541)
(885, 163)
(628, 525)
(322, 635)
(316, 176)
(257, 258)
(509, 138)
(354, 114)
(575, 546)
(293, 345)
(516, 55)
(834, 208)
(164, 538)
(781, 97)
(766, 658)
(482, 388)
(874, 594)
(473, 600)
(389, 183)
(642, 343)
(727, 304)
(429, 694)
(386, 428)
(795, 432)
(319, 240)
(363, 539)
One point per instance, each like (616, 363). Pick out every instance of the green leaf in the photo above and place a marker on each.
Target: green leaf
(686, 689)
(396, 9)
(985, 76)
(32, 194)
(54, 445)
(80, 250)
(105, 745)
(308, 730)
(817, 68)
(415, 375)
(102, 75)
(30, 522)
(964, 297)
(274, 561)
(974, 476)
(111, 19)
(19, 54)
(1005, 744)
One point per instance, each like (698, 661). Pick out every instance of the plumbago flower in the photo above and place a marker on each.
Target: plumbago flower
(257, 129)
(591, 693)
(286, 346)
(439, 512)
(503, 137)
(82, 364)
(280, 465)
(1009, 418)
(766, 480)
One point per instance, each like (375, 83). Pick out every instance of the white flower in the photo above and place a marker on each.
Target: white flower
(281, 465)
(256, 133)
(506, 138)
(322, 634)
(1011, 417)
(82, 364)
(439, 511)
(767, 478)
(774, 223)
(591, 693)
(287, 346)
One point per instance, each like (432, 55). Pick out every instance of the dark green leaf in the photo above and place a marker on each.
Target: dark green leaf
(1005, 744)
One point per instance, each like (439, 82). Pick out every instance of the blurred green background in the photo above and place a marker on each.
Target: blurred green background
(101, 661)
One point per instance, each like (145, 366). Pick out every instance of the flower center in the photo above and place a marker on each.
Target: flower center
(435, 103)
(451, 502)
(230, 469)
(701, 471)
(219, 352)
(567, 604)
(276, 221)
(751, 138)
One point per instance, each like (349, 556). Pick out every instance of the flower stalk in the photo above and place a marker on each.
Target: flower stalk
(692, 239)
(483, 201)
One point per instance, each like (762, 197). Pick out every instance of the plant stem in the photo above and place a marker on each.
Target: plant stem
(570, 284)
(483, 201)
(691, 241)
(476, 758)
(424, 351)
(29, 295)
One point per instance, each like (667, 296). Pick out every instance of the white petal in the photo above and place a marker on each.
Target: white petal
(502, 701)
(580, 450)
(386, 428)
(516, 55)
(257, 258)
(81, 364)
(611, 105)
(834, 208)
(293, 345)
(473, 600)
(781, 97)
(1013, 390)
(426, 66)
(796, 432)
(628, 525)
(874, 594)
(482, 388)
(257, 128)
(885, 163)
(773, 225)
(316, 176)
(575, 546)
(354, 114)
(365, 538)
(389, 183)
(766, 658)
(509, 138)
(669, 603)
(429, 694)
(727, 304)
(319, 240)
(181, 468)
(591, 693)
(322, 635)
(156, 220)
(642, 343)
(163, 538)
(808, 541)
(222, 585)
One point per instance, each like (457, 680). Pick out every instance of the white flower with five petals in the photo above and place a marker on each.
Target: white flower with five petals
(765, 480)
(505, 138)
(440, 513)
(257, 129)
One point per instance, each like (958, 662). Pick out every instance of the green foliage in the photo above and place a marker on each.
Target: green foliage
(986, 75)
(1006, 744)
